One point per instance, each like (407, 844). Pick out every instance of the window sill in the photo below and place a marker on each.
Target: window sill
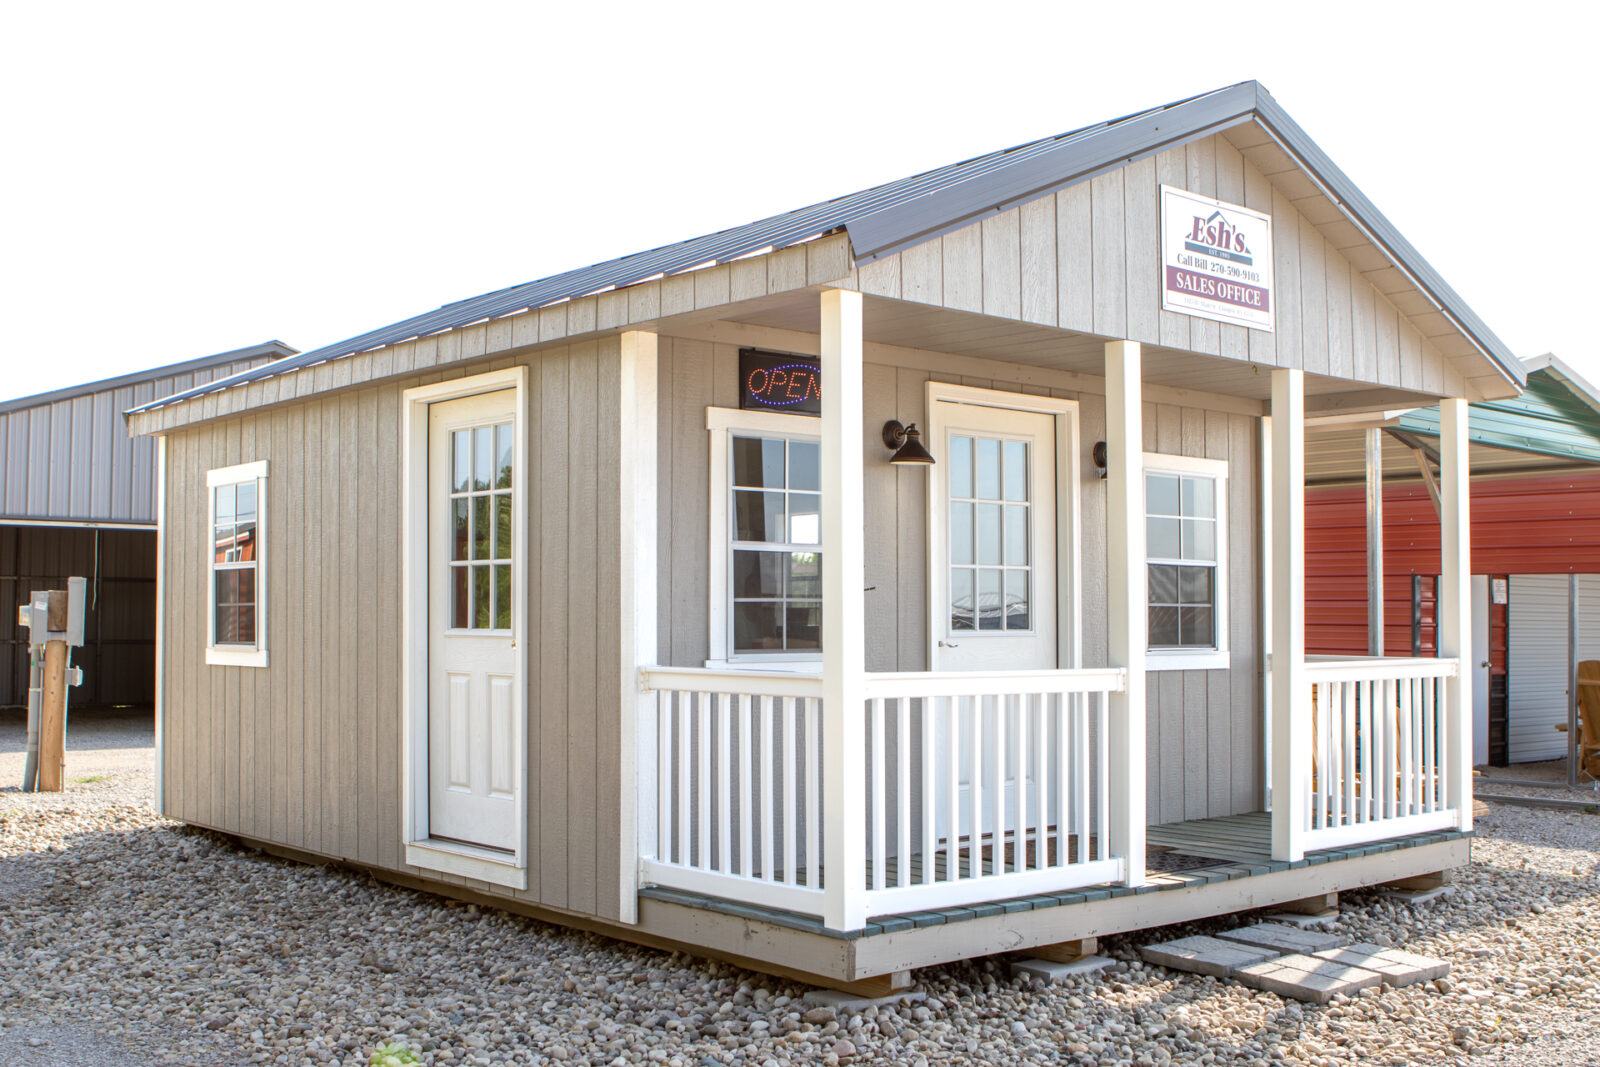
(236, 657)
(1208, 660)
(484, 864)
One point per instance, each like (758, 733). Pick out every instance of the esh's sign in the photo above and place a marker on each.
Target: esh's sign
(773, 381)
(1216, 259)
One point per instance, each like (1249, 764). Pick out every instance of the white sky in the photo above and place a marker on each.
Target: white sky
(180, 180)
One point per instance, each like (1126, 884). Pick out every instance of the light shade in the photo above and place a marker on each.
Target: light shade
(907, 443)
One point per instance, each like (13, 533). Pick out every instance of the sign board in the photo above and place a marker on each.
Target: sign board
(776, 381)
(1216, 260)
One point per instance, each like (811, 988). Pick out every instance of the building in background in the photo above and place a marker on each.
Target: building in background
(1535, 462)
(78, 497)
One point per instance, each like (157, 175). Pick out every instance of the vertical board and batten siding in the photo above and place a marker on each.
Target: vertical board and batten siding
(1204, 729)
(306, 752)
(1088, 258)
(71, 459)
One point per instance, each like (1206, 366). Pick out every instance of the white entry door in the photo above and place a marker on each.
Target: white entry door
(994, 586)
(994, 551)
(474, 733)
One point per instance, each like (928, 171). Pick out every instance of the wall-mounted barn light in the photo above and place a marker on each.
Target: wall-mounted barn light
(1099, 456)
(907, 443)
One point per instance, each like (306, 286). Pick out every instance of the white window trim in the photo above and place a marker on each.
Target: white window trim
(1206, 659)
(722, 423)
(421, 850)
(237, 655)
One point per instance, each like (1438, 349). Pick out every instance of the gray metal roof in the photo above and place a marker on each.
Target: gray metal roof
(272, 350)
(888, 218)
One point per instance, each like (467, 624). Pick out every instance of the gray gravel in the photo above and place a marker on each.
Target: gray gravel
(139, 941)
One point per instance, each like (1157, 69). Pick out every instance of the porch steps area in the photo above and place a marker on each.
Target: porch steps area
(1294, 963)
(1240, 844)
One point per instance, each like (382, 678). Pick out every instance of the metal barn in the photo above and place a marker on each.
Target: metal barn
(78, 497)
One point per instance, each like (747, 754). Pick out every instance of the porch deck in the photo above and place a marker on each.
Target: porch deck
(1243, 841)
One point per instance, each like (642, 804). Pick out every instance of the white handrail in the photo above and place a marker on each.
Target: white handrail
(1380, 669)
(995, 683)
(750, 682)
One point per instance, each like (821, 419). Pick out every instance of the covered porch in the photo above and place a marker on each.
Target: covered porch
(851, 802)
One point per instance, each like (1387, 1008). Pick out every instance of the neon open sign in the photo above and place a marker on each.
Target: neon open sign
(776, 381)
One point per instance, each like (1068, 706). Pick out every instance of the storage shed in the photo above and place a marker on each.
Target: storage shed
(1536, 522)
(628, 599)
(78, 497)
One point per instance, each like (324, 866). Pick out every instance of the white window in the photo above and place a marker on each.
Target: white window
(237, 566)
(1186, 549)
(766, 537)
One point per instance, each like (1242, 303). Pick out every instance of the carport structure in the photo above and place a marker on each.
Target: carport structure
(1372, 549)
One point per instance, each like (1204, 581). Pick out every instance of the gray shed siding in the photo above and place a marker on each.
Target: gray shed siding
(71, 459)
(306, 752)
(1204, 730)
(1089, 259)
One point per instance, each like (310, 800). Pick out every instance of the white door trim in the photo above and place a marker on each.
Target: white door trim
(1069, 563)
(420, 850)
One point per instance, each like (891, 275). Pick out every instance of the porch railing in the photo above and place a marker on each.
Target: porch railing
(980, 786)
(1379, 763)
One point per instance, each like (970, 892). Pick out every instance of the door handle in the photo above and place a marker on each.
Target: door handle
(948, 644)
(1485, 663)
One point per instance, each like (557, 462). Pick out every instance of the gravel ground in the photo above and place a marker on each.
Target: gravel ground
(137, 941)
(1537, 780)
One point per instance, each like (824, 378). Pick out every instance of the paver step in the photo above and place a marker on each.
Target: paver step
(1205, 955)
(1307, 978)
(1284, 938)
(1395, 966)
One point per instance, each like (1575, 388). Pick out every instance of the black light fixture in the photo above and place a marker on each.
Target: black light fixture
(907, 443)
(1099, 456)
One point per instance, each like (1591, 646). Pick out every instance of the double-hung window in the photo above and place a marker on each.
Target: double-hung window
(1186, 552)
(766, 537)
(237, 565)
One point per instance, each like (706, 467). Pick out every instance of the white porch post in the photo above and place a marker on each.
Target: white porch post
(1291, 700)
(636, 580)
(1375, 541)
(844, 773)
(1455, 604)
(1125, 607)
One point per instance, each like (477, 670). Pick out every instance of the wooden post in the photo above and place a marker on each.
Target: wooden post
(843, 614)
(53, 714)
(1291, 712)
(1125, 603)
(1455, 604)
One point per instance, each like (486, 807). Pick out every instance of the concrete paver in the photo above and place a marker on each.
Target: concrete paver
(1284, 938)
(1396, 966)
(1205, 955)
(1307, 978)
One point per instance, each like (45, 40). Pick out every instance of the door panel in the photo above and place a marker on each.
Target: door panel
(994, 518)
(474, 737)
(994, 558)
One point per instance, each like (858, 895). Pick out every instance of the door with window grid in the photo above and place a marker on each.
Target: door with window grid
(473, 566)
(994, 587)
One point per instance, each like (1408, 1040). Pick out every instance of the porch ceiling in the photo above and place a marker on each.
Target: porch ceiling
(921, 326)
(1338, 456)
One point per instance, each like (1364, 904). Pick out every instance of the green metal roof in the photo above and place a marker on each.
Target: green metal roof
(1558, 414)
